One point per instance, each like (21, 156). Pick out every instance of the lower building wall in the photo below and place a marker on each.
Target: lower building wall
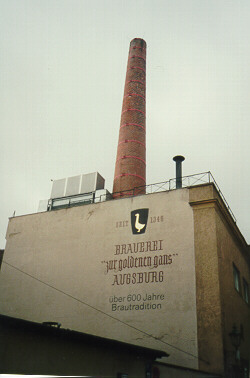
(29, 352)
(161, 370)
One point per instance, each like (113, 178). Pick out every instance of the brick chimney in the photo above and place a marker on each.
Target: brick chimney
(130, 168)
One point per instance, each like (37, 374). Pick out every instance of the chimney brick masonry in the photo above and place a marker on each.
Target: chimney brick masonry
(130, 169)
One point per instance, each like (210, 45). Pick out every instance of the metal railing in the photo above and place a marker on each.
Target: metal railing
(187, 181)
(76, 200)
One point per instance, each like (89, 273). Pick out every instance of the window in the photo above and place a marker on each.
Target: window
(236, 274)
(245, 291)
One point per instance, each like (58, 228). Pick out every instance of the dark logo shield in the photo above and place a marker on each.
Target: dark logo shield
(139, 220)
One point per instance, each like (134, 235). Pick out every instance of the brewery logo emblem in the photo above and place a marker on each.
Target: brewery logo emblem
(139, 219)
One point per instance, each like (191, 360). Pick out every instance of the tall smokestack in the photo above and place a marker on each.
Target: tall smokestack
(130, 168)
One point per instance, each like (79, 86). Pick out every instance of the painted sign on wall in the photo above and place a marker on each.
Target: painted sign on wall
(130, 259)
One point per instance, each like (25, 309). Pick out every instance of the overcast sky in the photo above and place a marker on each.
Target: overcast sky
(63, 66)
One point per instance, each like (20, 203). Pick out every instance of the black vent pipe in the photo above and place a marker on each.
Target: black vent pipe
(178, 160)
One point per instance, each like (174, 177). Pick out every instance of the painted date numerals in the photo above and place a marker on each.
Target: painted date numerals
(159, 218)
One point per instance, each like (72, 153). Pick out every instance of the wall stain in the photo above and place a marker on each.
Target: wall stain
(90, 213)
(14, 233)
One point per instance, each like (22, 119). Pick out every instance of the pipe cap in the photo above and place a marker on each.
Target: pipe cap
(179, 158)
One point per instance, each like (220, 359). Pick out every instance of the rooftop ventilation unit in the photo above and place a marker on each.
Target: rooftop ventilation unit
(75, 191)
(74, 185)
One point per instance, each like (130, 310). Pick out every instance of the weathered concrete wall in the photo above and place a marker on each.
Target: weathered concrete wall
(218, 244)
(145, 280)
(235, 310)
(208, 291)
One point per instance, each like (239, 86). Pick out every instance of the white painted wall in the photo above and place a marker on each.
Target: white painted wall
(70, 250)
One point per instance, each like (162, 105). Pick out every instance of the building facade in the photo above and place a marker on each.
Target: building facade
(167, 271)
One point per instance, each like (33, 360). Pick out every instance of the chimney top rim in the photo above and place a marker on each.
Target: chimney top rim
(139, 39)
